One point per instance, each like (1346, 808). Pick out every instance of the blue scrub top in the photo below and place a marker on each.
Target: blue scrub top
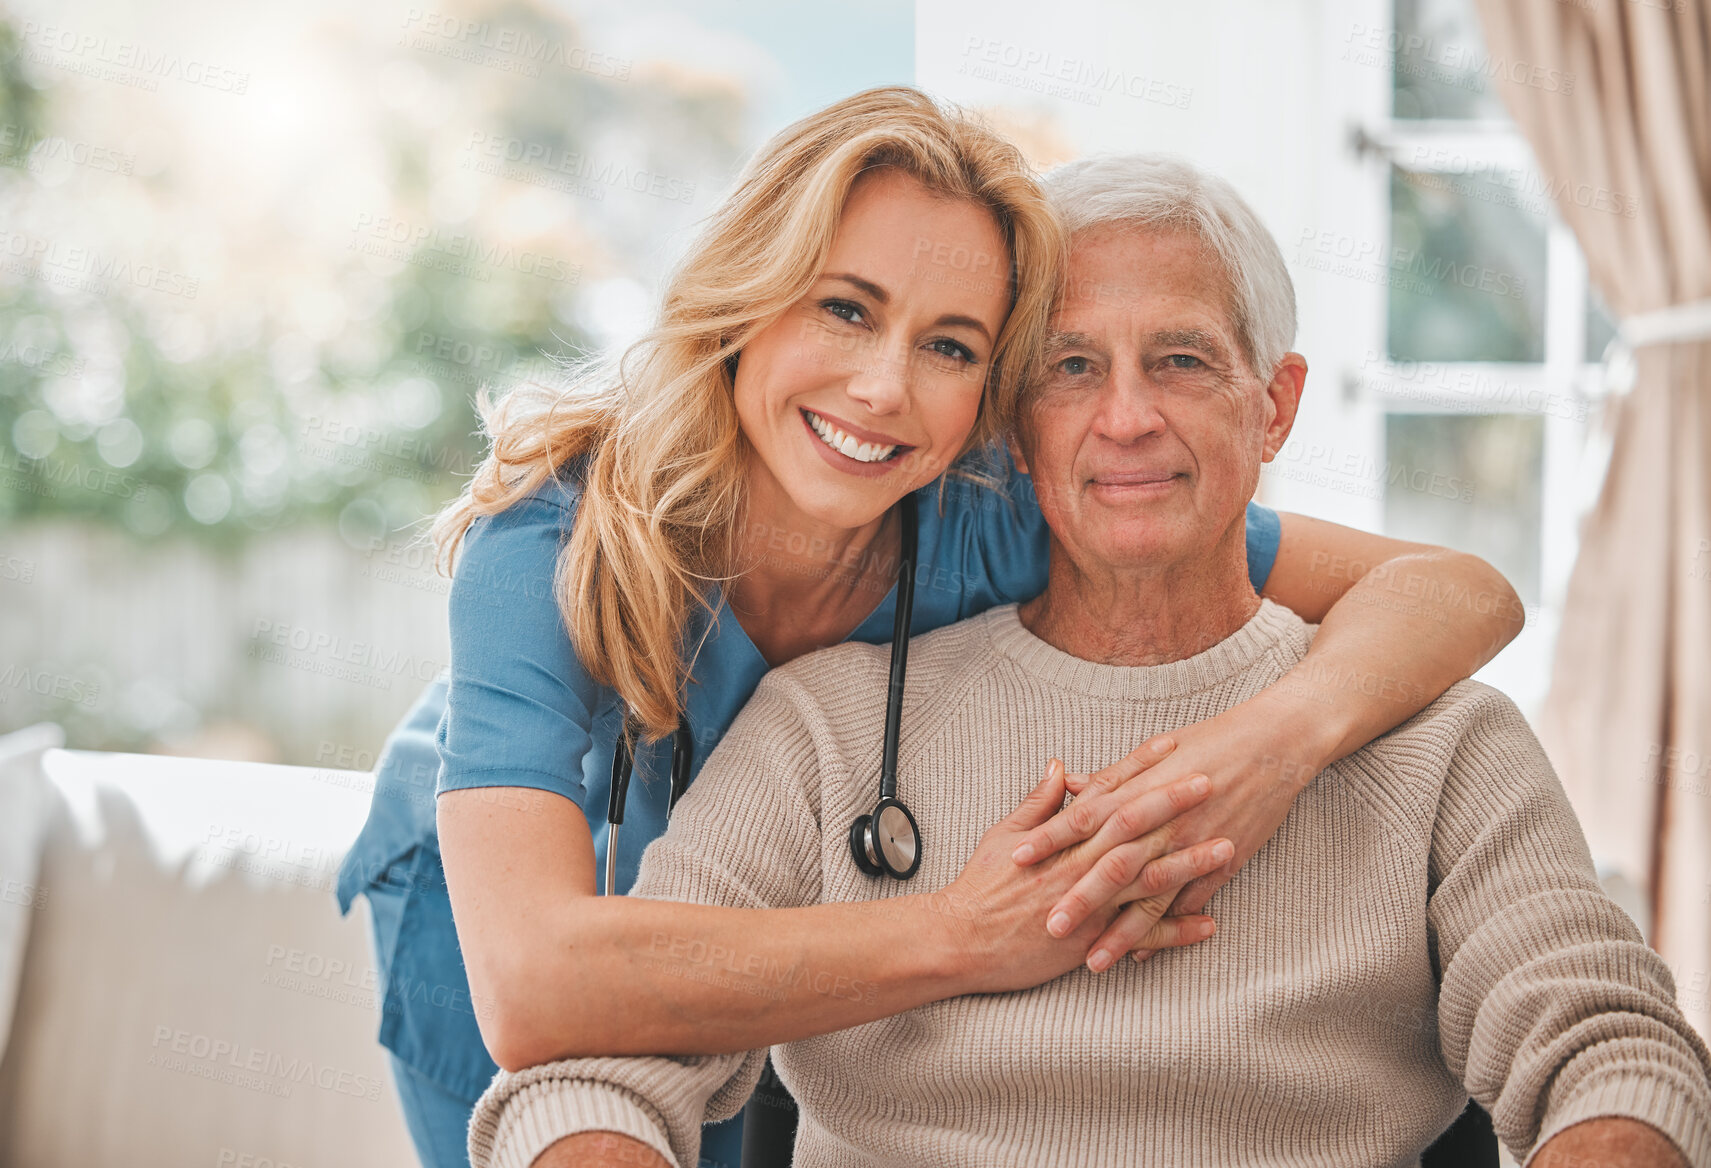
(516, 709)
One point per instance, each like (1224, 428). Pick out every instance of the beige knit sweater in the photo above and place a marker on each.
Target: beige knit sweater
(1425, 925)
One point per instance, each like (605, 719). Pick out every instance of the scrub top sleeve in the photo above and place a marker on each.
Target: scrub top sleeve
(1265, 532)
(520, 706)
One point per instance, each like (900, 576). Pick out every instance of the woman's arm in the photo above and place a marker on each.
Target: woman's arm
(1399, 623)
(558, 972)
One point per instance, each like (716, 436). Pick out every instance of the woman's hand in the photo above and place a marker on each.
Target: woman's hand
(1000, 905)
(1258, 756)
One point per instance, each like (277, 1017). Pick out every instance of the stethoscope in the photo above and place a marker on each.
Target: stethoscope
(884, 842)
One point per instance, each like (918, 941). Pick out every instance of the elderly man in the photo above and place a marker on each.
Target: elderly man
(1425, 925)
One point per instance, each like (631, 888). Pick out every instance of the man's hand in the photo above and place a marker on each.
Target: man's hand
(1609, 1142)
(1005, 905)
(600, 1149)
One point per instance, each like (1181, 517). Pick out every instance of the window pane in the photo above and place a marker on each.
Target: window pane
(1470, 482)
(1442, 68)
(1600, 329)
(1466, 270)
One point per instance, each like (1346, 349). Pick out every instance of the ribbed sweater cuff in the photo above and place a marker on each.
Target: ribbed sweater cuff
(1649, 1094)
(539, 1115)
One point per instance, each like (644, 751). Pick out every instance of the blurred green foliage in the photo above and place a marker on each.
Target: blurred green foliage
(211, 409)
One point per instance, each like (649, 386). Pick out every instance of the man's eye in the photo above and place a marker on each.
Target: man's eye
(953, 349)
(1074, 366)
(844, 310)
(1184, 361)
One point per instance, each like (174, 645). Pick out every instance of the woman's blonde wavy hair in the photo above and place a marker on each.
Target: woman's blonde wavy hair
(663, 489)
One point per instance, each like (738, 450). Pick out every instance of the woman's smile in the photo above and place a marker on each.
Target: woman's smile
(851, 443)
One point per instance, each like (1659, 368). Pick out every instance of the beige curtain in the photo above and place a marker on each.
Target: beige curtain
(1623, 135)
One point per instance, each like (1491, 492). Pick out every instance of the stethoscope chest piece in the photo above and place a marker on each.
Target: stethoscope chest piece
(886, 842)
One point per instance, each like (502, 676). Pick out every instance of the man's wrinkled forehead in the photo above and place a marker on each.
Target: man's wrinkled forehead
(1089, 285)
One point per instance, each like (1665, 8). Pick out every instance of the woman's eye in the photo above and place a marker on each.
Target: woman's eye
(844, 310)
(1074, 366)
(1184, 361)
(949, 348)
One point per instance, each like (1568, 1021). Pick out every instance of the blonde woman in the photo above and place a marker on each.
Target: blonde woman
(852, 327)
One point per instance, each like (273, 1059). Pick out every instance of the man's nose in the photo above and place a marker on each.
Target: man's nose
(1128, 408)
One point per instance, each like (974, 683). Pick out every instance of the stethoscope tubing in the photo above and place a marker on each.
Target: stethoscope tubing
(899, 654)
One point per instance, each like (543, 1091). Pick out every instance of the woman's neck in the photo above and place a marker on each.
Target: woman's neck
(802, 583)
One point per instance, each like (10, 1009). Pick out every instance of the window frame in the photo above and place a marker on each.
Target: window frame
(1564, 387)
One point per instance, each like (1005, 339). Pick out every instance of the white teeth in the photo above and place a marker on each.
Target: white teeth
(846, 445)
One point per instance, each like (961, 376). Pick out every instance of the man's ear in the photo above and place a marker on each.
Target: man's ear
(1283, 396)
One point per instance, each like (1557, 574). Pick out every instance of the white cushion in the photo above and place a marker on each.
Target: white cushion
(191, 994)
(23, 804)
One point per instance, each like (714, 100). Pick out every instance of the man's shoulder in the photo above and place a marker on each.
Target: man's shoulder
(1404, 773)
(1467, 707)
(1468, 711)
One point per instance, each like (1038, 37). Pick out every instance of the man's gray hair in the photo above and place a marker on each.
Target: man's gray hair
(1161, 191)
